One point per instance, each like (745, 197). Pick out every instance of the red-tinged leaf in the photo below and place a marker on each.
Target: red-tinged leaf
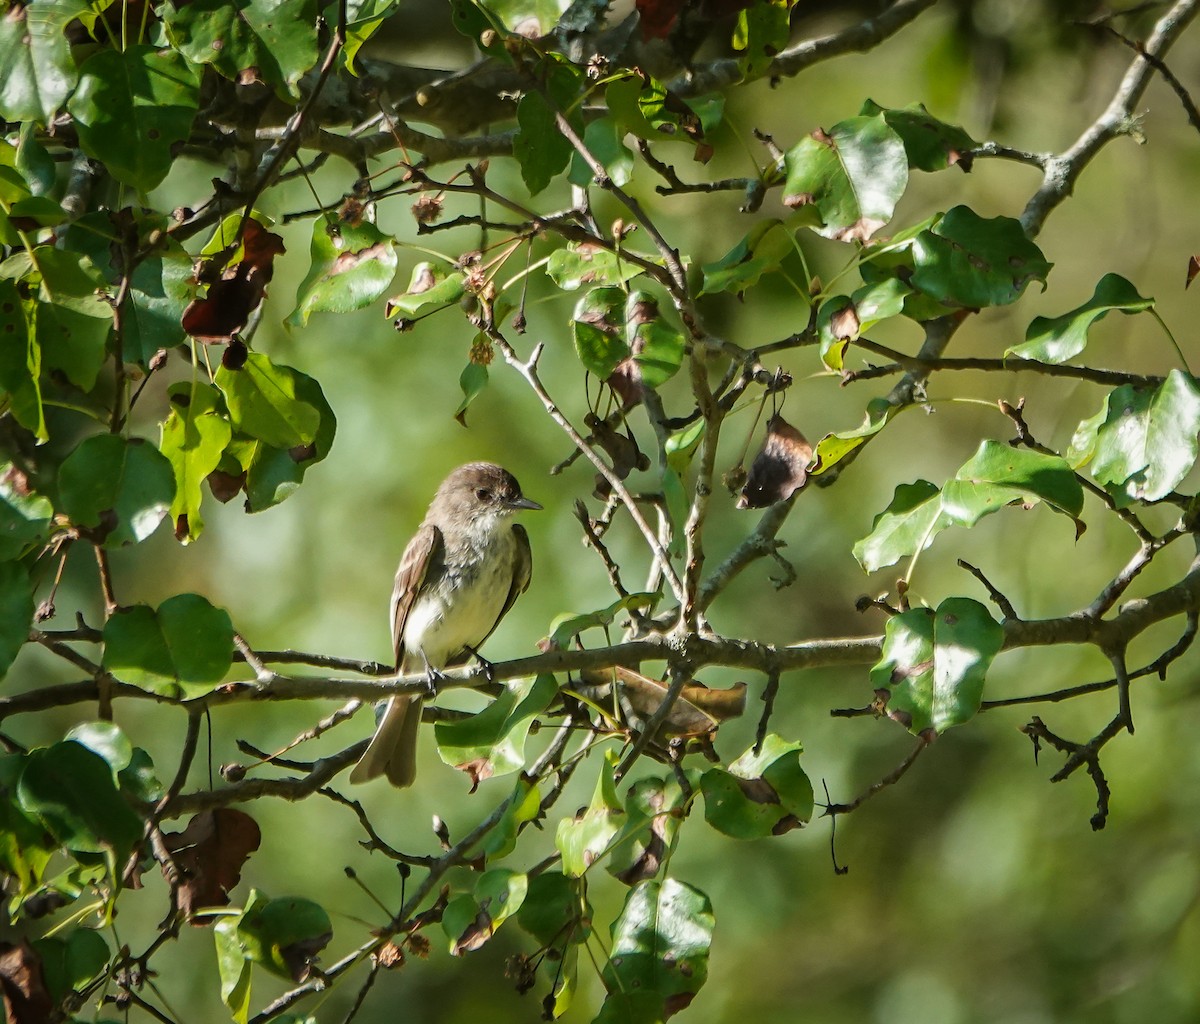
(780, 468)
(1193, 270)
(210, 853)
(231, 301)
(658, 17)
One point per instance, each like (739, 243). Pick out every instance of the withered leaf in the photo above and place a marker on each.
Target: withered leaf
(26, 1000)
(780, 468)
(209, 854)
(299, 956)
(1192, 270)
(697, 712)
(232, 299)
(622, 449)
(475, 935)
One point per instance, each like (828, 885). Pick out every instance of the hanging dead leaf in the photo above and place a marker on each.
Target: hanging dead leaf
(232, 299)
(697, 712)
(1193, 270)
(780, 468)
(209, 854)
(23, 984)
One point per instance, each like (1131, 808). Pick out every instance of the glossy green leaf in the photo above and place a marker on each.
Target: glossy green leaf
(194, 436)
(971, 261)
(931, 145)
(272, 41)
(569, 625)
(760, 252)
(262, 400)
(934, 663)
(21, 360)
(659, 954)
(493, 741)
(1144, 441)
(762, 794)
(16, 612)
(597, 326)
(24, 514)
(583, 839)
(610, 327)
(26, 848)
(833, 448)
(120, 489)
(363, 20)
(352, 266)
(70, 789)
(998, 475)
(1057, 339)
(131, 107)
(107, 740)
(852, 176)
(574, 266)
(36, 70)
(431, 285)
(273, 474)
(556, 910)
(903, 528)
(183, 649)
(470, 920)
(139, 780)
(604, 139)
(69, 964)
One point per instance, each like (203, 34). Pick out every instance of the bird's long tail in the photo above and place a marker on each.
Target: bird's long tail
(393, 748)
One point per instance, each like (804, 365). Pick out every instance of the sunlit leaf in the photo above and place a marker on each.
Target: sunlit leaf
(352, 266)
(119, 489)
(1057, 339)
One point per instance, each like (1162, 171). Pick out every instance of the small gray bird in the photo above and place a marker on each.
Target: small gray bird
(457, 579)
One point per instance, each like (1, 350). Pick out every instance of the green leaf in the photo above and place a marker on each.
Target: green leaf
(604, 139)
(471, 381)
(524, 804)
(24, 514)
(542, 151)
(160, 289)
(903, 528)
(470, 920)
(107, 740)
(842, 320)
(1057, 339)
(21, 360)
(131, 107)
(26, 848)
(659, 955)
(233, 968)
(139, 779)
(70, 789)
(583, 839)
(430, 286)
(493, 741)
(556, 911)
(1146, 441)
(851, 176)
(119, 489)
(352, 266)
(999, 475)
(833, 448)
(971, 261)
(182, 650)
(36, 70)
(69, 964)
(73, 318)
(586, 263)
(610, 327)
(931, 145)
(762, 794)
(273, 474)
(934, 663)
(363, 19)
(274, 41)
(760, 252)
(655, 809)
(762, 30)
(262, 402)
(16, 612)
(283, 934)
(194, 436)
(567, 626)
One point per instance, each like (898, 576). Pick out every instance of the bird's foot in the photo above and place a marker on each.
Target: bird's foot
(489, 670)
(433, 679)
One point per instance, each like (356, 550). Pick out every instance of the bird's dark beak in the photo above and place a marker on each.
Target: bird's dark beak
(524, 503)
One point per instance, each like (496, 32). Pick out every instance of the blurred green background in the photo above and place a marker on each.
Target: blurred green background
(976, 890)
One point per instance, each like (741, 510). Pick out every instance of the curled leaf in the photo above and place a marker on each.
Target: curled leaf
(209, 854)
(232, 299)
(780, 468)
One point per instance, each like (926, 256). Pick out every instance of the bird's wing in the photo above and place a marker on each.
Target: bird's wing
(422, 550)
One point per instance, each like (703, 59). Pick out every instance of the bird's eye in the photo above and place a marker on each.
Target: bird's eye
(483, 494)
